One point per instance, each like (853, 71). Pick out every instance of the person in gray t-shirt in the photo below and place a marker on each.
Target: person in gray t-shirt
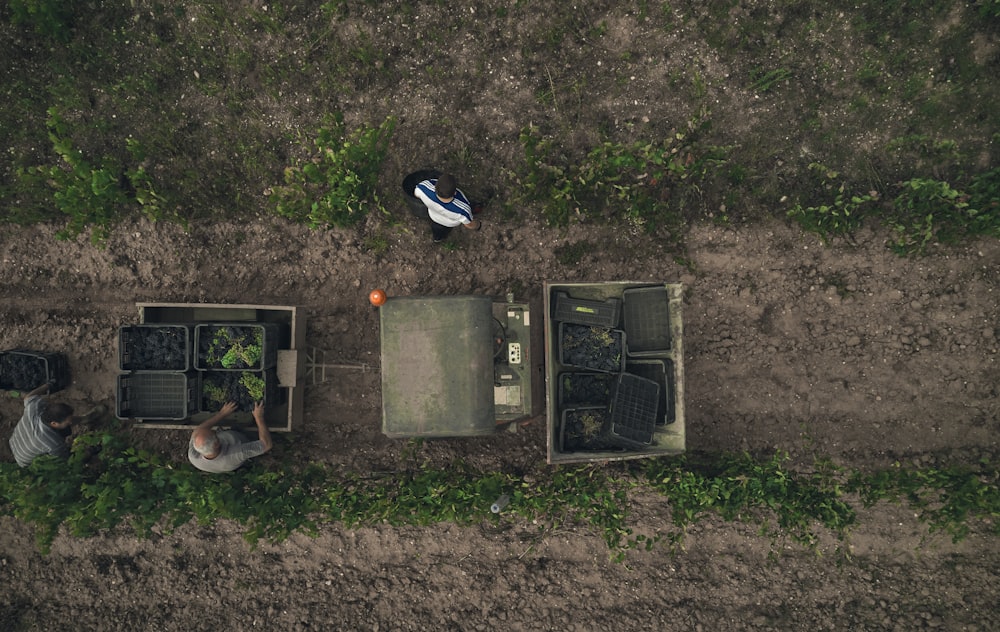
(215, 451)
(45, 427)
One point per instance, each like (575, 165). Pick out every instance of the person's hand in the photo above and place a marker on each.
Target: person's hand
(228, 409)
(258, 412)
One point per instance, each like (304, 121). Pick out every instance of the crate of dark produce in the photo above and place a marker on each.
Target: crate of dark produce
(606, 313)
(584, 428)
(592, 348)
(155, 347)
(633, 411)
(236, 346)
(244, 388)
(585, 388)
(25, 370)
(661, 372)
(157, 395)
(646, 320)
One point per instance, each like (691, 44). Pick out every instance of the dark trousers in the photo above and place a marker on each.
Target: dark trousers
(439, 231)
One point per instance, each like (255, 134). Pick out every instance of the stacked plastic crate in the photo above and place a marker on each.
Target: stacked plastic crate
(630, 394)
(26, 370)
(157, 381)
(237, 362)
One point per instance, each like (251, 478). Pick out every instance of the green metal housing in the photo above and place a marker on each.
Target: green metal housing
(437, 366)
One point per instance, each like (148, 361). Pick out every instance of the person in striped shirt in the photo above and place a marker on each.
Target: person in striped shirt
(43, 428)
(447, 206)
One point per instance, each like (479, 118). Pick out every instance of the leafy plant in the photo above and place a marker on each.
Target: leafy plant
(236, 347)
(989, 8)
(946, 499)
(214, 393)
(924, 210)
(843, 215)
(107, 483)
(928, 211)
(764, 80)
(637, 182)
(93, 196)
(255, 386)
(335, 186)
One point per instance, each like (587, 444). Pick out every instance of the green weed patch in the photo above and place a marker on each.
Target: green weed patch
(920, 213)
(93, 194)
(191, 111)
(336, 184)
(642, 184)
(106, 484)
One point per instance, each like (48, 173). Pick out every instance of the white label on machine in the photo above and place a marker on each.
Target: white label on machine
(514, 353)
(507, 395)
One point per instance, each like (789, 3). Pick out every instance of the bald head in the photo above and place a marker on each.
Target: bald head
(205, 442)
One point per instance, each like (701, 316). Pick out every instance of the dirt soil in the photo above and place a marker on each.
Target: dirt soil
(843, 351)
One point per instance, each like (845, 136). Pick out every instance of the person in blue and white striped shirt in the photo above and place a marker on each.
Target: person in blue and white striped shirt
(447, 206)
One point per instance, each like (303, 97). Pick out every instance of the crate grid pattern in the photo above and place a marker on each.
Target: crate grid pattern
(157, 395)
(658, 371)
(647, 320)
(633, 410)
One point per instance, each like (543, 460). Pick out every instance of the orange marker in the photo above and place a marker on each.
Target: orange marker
(377, 298)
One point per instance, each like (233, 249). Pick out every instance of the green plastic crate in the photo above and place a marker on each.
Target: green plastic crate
(157, 395)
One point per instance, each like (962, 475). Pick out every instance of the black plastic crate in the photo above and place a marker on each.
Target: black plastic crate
(155, 347)
(584, 347)
(633, 411)
(584, 428)
(646, 320)
(157, 395)
(585, 388)
(210, 357)
(26, 370)
(567, 309)
(661, 372)
(229, 387)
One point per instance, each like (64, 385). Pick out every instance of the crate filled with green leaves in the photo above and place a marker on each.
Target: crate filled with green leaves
(236, 346)
(243, 388)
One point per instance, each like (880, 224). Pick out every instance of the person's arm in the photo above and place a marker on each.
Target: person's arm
(262, 430)
(41, 390)
(227, 409)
